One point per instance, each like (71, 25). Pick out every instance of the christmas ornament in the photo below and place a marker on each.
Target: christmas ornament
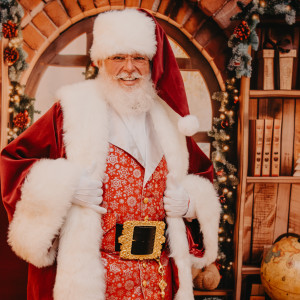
(242, 31)
(11, 55)
(9, 30)
(22, 119)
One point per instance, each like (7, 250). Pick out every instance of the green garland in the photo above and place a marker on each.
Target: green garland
(223, 133)
(21, 106)
(244, 34)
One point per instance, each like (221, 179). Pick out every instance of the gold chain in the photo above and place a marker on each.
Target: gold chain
(162, 284)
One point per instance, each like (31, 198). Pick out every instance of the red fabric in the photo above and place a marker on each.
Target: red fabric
(42, 140)
(166, 74)
(123, 195)
(169, 84)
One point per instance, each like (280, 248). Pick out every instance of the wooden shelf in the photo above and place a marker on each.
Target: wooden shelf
(250, 270)
(279, 179)
(275, 93)
(213, 293)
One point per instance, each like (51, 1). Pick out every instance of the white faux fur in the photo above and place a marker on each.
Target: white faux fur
(205, 200)
(188, 125)
(80, 273)
(123, 32)
(45, 201)
(86, 141)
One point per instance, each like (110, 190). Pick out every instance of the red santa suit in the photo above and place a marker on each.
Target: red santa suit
(40, 172)
(51, 155)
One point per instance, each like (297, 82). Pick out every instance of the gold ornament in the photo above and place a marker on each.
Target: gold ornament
(262, 3)
(255, 17)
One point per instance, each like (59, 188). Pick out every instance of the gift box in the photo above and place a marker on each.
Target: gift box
(286, 60)
(266, 69)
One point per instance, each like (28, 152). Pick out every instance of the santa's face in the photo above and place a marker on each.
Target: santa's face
(127, 70)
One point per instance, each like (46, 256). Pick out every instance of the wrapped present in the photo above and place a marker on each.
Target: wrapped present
(284, 55)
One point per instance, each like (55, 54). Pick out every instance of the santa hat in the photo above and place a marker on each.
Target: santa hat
(132, 31)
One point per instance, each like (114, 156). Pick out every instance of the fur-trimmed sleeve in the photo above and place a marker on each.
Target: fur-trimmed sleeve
(34, 180)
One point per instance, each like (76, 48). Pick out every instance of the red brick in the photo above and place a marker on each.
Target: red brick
(30, 4)
(72, 7)
(117, 2)
(56, 13)
(183, 13)
(209, 7)
(100, 3)
(132, 3)
(147, 4)
(207, 32)
(29, 52)
(42, 22)
(194, 21)
(32, 37)
(86, 4)
(223, 16)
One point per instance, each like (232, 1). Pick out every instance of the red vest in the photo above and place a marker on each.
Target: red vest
(126, 198)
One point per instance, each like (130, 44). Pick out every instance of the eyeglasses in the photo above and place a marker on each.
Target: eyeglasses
(135, 59)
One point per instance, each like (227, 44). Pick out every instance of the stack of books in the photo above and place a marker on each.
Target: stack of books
(264, 147)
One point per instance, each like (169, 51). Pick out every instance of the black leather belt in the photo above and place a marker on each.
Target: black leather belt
(140, 239)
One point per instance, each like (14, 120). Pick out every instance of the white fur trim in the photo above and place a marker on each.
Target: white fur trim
(80, 273)
(188, 125)
(203, 197)
(45, 200)
(179, 250)
(123, 32)
(173, 144)
(80, 270)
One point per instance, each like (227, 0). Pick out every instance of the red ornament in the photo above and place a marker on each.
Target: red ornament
(9, 30)
(220, 173)
(242, 31)
(222, 199)
(11, 55)
(22, 119)
(224, 124)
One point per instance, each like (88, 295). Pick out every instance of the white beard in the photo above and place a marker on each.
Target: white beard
(128, 100)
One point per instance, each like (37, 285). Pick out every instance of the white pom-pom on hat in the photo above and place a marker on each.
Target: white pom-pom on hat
(188, 125)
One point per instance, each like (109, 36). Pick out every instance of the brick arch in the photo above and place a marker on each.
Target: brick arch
(206, 25)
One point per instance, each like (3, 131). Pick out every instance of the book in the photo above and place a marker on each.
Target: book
(267, 147)
(276, 145)
(256, 136)
(287, 137)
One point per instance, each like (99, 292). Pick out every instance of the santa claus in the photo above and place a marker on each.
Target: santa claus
(93, 187)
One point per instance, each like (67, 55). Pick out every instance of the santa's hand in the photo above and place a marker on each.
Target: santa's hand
(176, 199)
(89, 194)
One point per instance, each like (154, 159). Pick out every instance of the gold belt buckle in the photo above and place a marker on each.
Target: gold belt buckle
(127, 238)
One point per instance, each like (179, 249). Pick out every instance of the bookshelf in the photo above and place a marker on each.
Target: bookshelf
(267, 206)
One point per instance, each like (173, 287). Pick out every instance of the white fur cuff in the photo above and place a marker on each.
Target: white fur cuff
(207, 207)
(45, 200)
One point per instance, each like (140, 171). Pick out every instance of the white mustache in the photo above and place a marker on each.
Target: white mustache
(126, 76)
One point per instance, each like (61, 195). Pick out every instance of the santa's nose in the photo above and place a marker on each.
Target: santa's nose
(128, 65)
